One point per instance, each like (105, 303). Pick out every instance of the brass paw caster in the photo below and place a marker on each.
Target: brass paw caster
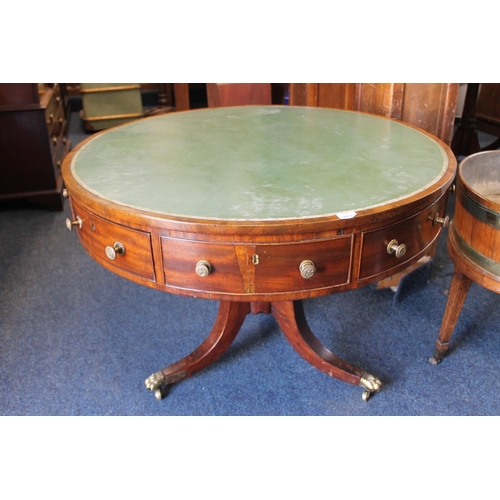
(154, 383)
(371, 384)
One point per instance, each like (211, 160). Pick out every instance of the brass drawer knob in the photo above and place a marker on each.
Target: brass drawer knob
(394, 248)
(445, 222)
(70, 223)
(65, 194)
(203, 268)
(307, 269)
(116, 249)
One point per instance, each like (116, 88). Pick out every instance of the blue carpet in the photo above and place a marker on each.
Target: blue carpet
(76, 339)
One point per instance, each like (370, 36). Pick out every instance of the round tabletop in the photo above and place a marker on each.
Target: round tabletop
(259, 163)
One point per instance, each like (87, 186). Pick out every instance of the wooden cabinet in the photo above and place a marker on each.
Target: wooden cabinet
(33, 142)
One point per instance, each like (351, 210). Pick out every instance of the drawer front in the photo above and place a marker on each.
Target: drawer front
(415, 233)
(256, 269)
(99, 236)
(180, 258)
(278, 268)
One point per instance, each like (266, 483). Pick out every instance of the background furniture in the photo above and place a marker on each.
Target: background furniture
(488, 111)
(33, 142)
(481, 113)
(171, 96)
(106, 105)
(238, 94)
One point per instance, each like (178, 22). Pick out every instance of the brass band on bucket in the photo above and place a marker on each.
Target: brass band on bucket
(480, 212)
(472, 254)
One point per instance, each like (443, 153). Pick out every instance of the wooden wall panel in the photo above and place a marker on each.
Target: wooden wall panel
(304, 94)
(430, 106)
(383, 99)
(238, 94)
(337, 95)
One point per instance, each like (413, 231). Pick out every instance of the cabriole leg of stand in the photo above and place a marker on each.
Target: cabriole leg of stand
(227, 325)
(292, 321)
(459, 288)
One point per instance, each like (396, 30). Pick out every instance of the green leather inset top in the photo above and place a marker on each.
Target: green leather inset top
(259, 163)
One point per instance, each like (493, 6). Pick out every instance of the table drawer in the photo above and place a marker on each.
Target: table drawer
(180, 259)
(278, 268)
(266, 269)
(99, 236)
(415, 234)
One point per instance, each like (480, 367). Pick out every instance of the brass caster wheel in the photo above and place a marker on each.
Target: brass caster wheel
(160, 393)
(434, 361)
(370, 385)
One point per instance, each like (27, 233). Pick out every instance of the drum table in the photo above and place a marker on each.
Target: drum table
(259, 207)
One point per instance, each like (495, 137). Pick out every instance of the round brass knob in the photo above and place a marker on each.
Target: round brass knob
(445, 222)
(394, 248)
(116, 249)
(307, 269)
(65, 194)
(203, 268)
(70, 223)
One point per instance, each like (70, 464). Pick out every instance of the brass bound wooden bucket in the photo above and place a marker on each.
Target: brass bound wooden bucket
(476, 224)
